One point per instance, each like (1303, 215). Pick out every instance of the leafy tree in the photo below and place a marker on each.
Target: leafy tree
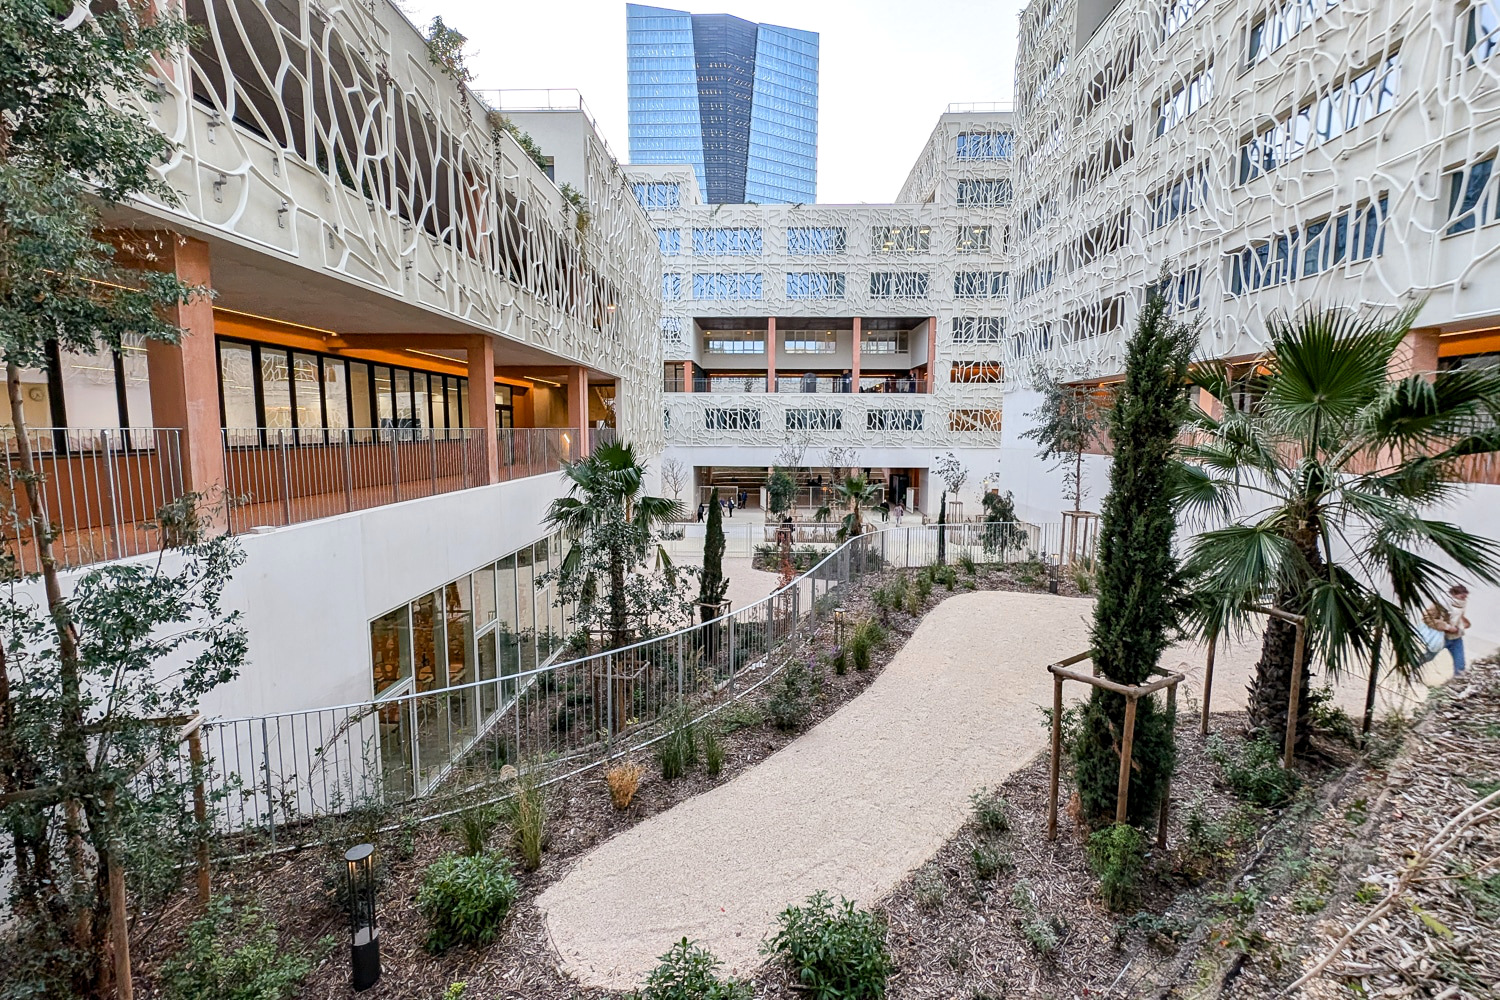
(611, 524)
(1136, 614)
(92, 781)
(713, 585)
(854, 494)
(781, 491)
(1327, 461)
(1001, 532)
(1067, 424)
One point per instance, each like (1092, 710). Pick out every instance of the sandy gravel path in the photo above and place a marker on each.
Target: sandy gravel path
(851, 806)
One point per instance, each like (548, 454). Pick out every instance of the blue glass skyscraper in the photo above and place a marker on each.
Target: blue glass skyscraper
(737, 100)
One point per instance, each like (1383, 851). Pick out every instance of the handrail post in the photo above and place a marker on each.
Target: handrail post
(729, 629)
(432, 457)
(609, 696)
(395, 470)
(265, 760)
(348, 451)
(1057, 711)
(113, 485)
(286, 480)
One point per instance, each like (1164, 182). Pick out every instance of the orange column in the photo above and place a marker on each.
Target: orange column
(481, 352)
(687, 376)
(1418, 353)
(578, 408)
(771, 354)
(854, 368)
(931, 353)
(185, 375)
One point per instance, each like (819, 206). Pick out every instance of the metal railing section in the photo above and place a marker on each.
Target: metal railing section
(101, 489)
(278, 772)
(277, 476)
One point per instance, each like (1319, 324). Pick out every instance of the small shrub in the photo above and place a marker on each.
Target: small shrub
(456, 991)
(1329, 719)
(236, 953)
(623, 781)
(465, 899)
(1162, 932)
(841, 662)
(526, 814)
(947, 576)
(713, 752)
(1084, 576)
(690, 972)
(475, 825)
(988, 862)
(1117, 854)
(1032, 572)
(930, 890)
(924, 583)
(868, 634)
(405, 847)
(1072, 724)
(739, 715)
(677, 751)
(790, 704)
(1254, 772)
(990, 811)
(835, 951)
(968, 565)
(1041, 932)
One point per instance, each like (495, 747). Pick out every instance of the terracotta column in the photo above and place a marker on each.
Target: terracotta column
(1418, 353)
(481, 415)
(687, 376)
(932, 354)
(854, 368)
(771, 354)
(185, 375)
(578, 408)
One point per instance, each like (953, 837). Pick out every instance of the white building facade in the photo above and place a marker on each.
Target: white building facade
(867, 336)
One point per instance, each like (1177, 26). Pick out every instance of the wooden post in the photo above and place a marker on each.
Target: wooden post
(200, 811)
(1122, 797)
(1364, 730)
(1294, 697)
(119, 923)
(1057, 710)
(1166, 792)
(1208, 679)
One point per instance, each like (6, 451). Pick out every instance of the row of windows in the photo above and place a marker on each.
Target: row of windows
(1482, 29)
(986, 191)
(985, 145)
(1185, 100)
(978, 329)
(1347, 106)
(1177, 13)
(981, 284)
(1354, 234)
(1183, 290)
(1281, 23)
(261, 385)
(657, 195)
(750, 242)
(1471, 201)
(1178, 197)
(802, 342)
(821, 419)
(732, 286)
(815, 285)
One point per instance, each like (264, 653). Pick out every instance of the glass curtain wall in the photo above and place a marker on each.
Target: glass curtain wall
(488, 625)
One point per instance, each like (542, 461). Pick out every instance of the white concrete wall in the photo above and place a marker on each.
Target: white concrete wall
(307, 592)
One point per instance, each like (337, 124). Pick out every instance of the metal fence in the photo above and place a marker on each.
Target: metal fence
(100, 490)
(276, 774)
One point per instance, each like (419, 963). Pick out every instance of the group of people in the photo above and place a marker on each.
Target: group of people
(727, 504)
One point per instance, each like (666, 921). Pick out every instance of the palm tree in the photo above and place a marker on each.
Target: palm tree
(854, 493)
(1324, 462)
(608, 518)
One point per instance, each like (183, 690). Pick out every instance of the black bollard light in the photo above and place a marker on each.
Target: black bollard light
(364, 936)
(838, 626)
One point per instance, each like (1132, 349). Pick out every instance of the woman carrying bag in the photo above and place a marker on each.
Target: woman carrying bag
(1444, 624)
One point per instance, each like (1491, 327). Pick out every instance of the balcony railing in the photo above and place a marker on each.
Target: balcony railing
(752, 384)
(100, 491)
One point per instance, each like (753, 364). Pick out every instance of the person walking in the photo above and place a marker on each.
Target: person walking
(900, 513)
(1447, 616)
(731, 506)
(702, 507)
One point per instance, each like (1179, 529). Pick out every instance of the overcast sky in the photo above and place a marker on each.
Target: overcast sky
(888, 67)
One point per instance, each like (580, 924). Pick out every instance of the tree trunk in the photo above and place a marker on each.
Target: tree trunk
(72, 742)
(618, 627)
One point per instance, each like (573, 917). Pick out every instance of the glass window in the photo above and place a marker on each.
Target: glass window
(814, 285)
(384, 415)
(901, 239)
(669, 242)
(308, 390)
(484, 596)
(985, 145)
(457, 416)
(1466, 196)
(237, 384)
(390, 649)
(276, 387)
(816, 240)
(404, 416)
(984, 191)
(507, 614)
(361, 398)
(336, 393)
(487, 669)
(460, 634)
(135, 370)
(526, 609)
(439, 398)
(974, 239)
(421, 401)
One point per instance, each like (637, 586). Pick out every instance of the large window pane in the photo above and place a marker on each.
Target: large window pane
(403, 398)
(419, 400)
(276, 386)
(525, 605)
(434, 744)
(390, 649)
(508, 620)
(336, 393)
(439, 404)
(89, 389)
(361, 401)
(307, 376)
(460, 633)
(384, 414)
(484, 596)
(488, 670)
(237, 384)
(396, 764)
(138, 381)
(457, 414)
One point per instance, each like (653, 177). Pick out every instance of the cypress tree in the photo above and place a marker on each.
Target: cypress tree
(1135, 616)
(712, 584)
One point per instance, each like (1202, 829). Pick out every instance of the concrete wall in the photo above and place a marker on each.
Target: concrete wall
(308, 591)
